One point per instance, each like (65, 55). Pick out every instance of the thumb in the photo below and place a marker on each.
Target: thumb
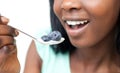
(3, 20)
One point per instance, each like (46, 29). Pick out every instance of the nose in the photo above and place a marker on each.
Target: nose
(69, 5)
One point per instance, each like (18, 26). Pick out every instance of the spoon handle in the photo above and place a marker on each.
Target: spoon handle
(24, 33)
(39, 40)
(20, 30)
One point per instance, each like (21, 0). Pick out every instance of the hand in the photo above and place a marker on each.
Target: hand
(7, 41)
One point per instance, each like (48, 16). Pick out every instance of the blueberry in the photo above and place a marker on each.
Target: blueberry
(55, 35)
(45, 38)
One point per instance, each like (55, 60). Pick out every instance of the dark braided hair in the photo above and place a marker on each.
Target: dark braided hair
(66, 46)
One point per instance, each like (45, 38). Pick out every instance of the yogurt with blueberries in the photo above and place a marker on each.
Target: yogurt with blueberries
(54, 36)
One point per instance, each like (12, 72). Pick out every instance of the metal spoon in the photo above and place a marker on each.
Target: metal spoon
(51, 42)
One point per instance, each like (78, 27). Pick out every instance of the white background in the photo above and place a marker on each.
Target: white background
(27, 15)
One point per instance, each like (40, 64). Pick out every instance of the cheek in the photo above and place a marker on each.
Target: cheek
(104, 14)
(100, 7)
(57, 10)
(57, 7)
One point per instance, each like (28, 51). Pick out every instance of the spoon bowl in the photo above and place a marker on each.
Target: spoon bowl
(51, 42)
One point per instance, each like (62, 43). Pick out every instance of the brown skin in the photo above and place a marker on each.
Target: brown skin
(95, 43)
(33, 61)
(8, 53)
(96, 50)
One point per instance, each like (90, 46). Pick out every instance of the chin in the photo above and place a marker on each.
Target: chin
(82, 44)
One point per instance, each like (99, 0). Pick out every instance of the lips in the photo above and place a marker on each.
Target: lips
(76, 26)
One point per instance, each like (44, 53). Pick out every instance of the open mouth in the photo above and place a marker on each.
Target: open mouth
(76, 24)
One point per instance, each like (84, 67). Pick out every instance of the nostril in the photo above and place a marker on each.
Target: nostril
(71, 5)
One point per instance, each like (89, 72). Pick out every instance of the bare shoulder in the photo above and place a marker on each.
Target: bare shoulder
(33, 60)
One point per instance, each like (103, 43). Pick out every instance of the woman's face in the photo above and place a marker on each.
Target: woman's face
(87, 22)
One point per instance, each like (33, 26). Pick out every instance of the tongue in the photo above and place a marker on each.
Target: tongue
(74, 26)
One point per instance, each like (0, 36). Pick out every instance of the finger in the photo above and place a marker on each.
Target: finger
(8, 49)
(6, 40)
(3, 54)
(11, 49)
(7, 30)
(5, 51)
(16, 33)
(3, 20)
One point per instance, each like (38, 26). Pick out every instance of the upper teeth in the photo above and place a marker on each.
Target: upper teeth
(76, 22)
